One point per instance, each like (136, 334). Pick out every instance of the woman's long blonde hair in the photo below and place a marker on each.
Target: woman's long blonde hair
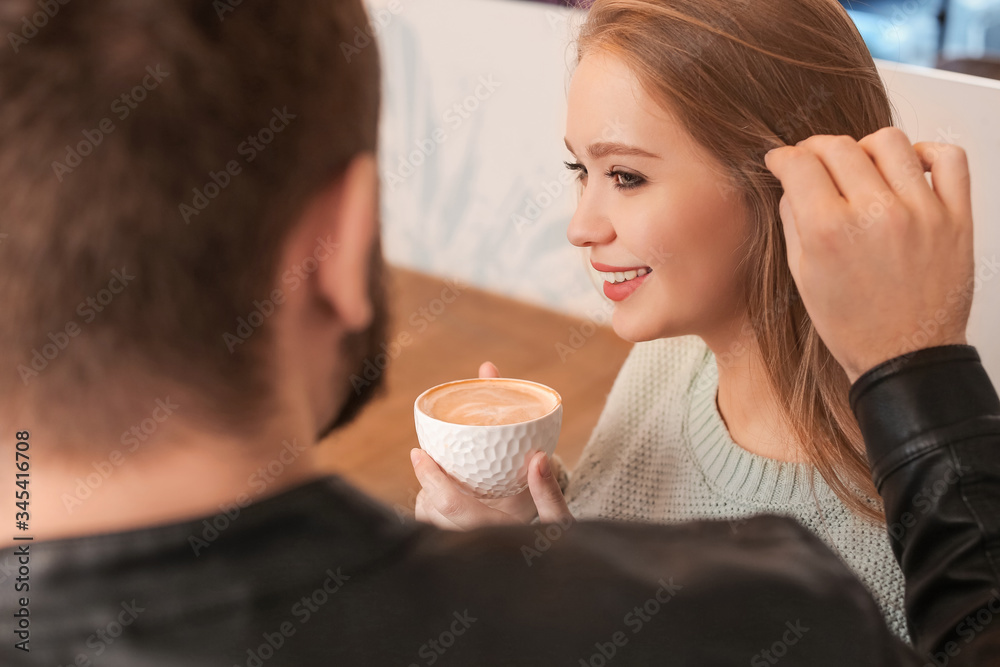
(744, 77)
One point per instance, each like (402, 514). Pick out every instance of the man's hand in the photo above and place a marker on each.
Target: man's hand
(883, 261)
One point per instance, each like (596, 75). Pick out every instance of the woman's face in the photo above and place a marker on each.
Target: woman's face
(654, 203)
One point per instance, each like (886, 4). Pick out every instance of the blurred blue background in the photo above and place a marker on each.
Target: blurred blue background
(957, 35)
(929, 32)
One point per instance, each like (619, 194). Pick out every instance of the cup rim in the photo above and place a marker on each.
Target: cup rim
(557, 407)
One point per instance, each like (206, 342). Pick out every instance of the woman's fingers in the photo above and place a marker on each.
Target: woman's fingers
(440, 502)
(442, 499)
(545, 491)
(488, 370)
(422, 512)
(521, 508)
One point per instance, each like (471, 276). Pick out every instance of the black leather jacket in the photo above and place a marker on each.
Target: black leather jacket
(321, 575)
(931, 422)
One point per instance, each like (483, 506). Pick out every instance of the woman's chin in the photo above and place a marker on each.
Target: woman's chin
(634, 329)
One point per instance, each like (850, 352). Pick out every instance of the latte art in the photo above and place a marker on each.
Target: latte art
(486, 402)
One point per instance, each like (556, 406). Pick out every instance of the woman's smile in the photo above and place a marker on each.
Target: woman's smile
(621, 281)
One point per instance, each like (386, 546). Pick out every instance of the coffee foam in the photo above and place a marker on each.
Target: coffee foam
(487, 402)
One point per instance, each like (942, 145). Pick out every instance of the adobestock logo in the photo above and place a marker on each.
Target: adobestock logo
(580, 333)
(260, 480)
(635, 620)
(223, 7)
(545, 536)
(88, 310)
(542, 200)
(902, 14)
(434, 648)
(453, 118)
(293, 278)
(122, 107)
(101, 640)
(363, 38)
(303, 611)
(131, 439)
(30, 25)
(249, 150)
(779, 649)
(419, 320)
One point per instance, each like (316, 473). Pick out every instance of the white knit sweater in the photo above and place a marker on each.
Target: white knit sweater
(661, 453)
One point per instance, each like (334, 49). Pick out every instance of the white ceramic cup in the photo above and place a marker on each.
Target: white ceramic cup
(488, 460)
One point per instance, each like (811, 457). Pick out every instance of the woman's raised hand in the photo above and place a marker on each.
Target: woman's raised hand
(443, 504)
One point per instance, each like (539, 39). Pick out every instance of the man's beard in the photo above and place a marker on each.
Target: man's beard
(357, 347)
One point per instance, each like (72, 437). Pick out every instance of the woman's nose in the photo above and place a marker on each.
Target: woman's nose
(589, 225)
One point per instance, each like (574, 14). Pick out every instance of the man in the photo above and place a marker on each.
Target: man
(190, 276)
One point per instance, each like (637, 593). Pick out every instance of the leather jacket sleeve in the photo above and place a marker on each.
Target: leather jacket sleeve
(931, 424)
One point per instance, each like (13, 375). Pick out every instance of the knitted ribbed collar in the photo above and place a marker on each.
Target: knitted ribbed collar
(733, 472)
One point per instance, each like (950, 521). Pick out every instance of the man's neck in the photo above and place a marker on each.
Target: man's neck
(162, 481)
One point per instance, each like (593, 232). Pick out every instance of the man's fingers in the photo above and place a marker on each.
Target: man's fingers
(900, 166)
(488, 370)
(807, 184)
(545, 491)
(849, 166)
(792, 243)
(913, 259)
(949, 166)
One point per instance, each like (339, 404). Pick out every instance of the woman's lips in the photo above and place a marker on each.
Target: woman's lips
(623, 290)
(621, 281)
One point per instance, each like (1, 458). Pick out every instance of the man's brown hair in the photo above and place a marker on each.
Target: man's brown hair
(153, 157)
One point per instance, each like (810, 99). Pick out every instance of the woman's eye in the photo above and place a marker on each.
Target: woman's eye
(624, 180)
(580, 170)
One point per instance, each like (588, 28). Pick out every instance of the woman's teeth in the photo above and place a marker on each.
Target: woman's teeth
(622, 276)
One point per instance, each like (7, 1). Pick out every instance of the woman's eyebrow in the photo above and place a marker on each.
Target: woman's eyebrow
(603, 148)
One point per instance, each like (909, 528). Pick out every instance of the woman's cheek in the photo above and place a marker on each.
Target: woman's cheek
(653, 250)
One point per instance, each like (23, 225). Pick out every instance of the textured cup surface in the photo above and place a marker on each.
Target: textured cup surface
(488, 460)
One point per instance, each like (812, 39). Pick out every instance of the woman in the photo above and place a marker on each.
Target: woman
(729, 405)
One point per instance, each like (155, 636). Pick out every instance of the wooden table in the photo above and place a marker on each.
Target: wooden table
(442, 331)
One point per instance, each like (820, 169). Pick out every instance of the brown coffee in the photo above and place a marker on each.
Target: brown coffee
(488, 401)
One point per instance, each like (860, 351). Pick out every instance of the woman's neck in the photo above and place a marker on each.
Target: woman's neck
(751, 411)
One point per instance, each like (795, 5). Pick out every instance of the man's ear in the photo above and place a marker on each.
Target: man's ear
(348, 216)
